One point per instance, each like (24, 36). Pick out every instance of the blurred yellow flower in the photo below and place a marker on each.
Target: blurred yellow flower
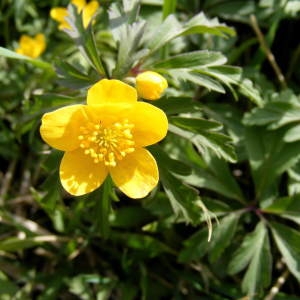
(150, 85)
(107, 137)
(32, 46)
(88, 10)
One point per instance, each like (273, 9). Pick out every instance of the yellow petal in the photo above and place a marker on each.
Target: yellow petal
(137, 174)
(58, 14)
(108, 91)
(32, 47)
(79, 174)
(60, 128)
(88, 12)
(25, 40)
(39, 45)
(80, 4)
(150, 124)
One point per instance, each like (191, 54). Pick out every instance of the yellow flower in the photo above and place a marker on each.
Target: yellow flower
(32, 47)
(107, 137)
(150, 85)
(88, 10)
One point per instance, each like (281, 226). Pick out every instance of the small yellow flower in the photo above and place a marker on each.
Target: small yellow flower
(88, 10)
(107, 137)
(150, 85)
(32, 47)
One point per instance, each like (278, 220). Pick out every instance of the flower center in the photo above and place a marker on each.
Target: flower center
(107, 144)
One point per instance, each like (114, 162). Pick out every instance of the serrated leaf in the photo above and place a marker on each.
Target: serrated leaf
(84, 39)
(286, 207)
(195, 247)
(71, 76)
(247, 89)
(177, 105)
(216, 142)
(292, 134)
(222, 235)
(284, 108)
(269, 157)
(199, 79)
(195, 124)
(202, 175)
(254, 252)
(183, 198)
(168, 30)
(288, 243)
(173, 165)
(201, 24)
(128, 50)
(201, 58)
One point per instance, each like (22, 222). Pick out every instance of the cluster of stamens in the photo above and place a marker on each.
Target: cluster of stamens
(107, 144)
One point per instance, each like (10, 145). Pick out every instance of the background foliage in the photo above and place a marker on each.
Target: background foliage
(230, 162)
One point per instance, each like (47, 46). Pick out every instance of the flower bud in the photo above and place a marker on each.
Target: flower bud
(150, 85)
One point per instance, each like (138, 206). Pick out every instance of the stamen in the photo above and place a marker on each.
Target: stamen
(107, 144)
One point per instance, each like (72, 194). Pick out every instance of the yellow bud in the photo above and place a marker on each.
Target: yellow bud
(150, 85)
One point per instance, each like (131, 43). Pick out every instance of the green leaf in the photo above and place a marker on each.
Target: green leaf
(16, 244)
(284, 108)
(201, 58)
(195, 247)
(183, 198)
(167, 31)
(288, 243)
(177, 105)
(84, 39)
(36, 62)
(216, 142)
(223, 235)
(172, 28)
(269, 157)
(292, 134)
(286, 207)
(199, 79)
(71, 76)
(208, 171)
(128, 50)
(173, 165)
(254, 252)
(201, 24)
(195, 124)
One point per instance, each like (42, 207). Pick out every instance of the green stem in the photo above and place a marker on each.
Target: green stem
(103, 209)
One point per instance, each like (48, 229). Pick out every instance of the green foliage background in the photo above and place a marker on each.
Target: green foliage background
(224, 221)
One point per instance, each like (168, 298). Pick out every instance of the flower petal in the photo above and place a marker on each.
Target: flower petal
(58, 14)
(150, 124)
(79, 174)
(80, 4)
(108, 91)
(137, 174)
(88, 12)
(60, 128)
